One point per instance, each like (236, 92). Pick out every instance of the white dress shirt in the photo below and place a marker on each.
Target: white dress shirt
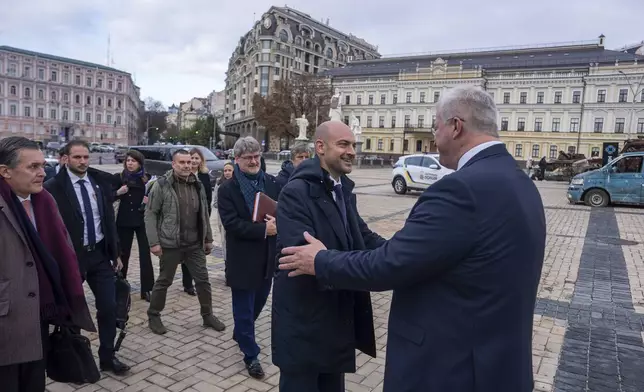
(472, 152)
(92, 199)
(30, 213)
(334, 184)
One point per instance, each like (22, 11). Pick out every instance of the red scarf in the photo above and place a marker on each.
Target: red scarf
(62, 299)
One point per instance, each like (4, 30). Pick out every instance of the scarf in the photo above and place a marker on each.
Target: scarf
(249, 184)
(132, 176)
(62, 299)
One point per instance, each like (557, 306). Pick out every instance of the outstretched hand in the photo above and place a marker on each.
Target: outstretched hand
(301, 259)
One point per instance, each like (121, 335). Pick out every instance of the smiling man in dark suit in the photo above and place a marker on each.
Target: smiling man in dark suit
(84, 198)
(464, 269)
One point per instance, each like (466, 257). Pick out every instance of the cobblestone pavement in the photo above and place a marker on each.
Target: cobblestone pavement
(588, 326)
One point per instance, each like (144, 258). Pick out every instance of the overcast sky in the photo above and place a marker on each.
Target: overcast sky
(180, 49)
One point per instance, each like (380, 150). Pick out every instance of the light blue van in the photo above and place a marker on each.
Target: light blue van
(621, 181)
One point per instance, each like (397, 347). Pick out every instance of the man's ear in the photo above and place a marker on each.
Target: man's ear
(4, 171)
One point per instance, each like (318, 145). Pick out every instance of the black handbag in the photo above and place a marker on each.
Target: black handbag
(70, 359)
(123, 303)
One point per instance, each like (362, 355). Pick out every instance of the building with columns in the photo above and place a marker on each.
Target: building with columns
(284, 42)
(54, 99)
(568, 97)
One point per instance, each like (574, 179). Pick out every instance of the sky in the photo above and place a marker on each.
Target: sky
(177, 50)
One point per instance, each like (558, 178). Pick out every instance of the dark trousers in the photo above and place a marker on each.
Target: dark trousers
(247, 305)
(101, 279)
(126, 237)
(195, 259)
(186, 277)
(311, 382)
(28, 376)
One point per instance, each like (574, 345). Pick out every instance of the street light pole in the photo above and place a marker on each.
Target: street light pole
(635, 90)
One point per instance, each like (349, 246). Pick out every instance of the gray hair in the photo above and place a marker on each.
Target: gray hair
(10, 148)
(245, 145)
(471, 104)
(300, 148)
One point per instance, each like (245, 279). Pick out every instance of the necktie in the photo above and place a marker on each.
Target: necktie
(339, 200)
(89, 214)
(27, 206)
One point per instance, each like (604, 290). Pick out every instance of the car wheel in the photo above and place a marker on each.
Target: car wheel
(400, 187)
(596, 198)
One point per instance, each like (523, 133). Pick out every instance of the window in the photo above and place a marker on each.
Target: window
(108, 119)
(381, 122)
(368, 144)
(599, 125)
(504, 124)
(78, 80)
(283, 35)
(12, 90)
(601, 96)
(406, 145)
(538, 124)
(623, 95)
(66, 78)
(13, 110)
(109, 102)
(53, 95)
(383, 99)
(553, 152)
(437, 96)
(393, 121)
(27, 111)
(88, 117)
(27, 72)
(77, 98)
(572, 149)
(395, 100)
(523, 97)
(41, 94)
(88, 81)
(41, 73)
(574, 125)
(421, 121)
(535, 151)
(506, 97)
(521, 124)
(346, 121)
(558, 95)
(433, 122)
(41, 112)
(99, 83)
(407, 121)
(52, 114)
(359, 100)
(629, 165)
(54, 76)
(419, 145)
(576, 97)
(99, 101)
(12, 70)
(66, 97)
(380, 147)
(642, 98)
(640, 125)
(88, 100)
(76, 116)
(65, 115)
(619, 125)
(422, 97)
(118, 120)
(119, 86)
(369, 121)
(594, 152)
(391, 145)
(518, 150)
(408, 98)
(27, 92)
(110, 85)
(370, 99)
(99, 118)
(556, 124)
(540, 95)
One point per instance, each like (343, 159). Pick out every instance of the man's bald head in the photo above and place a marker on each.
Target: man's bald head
(328, 129)
(335, 146)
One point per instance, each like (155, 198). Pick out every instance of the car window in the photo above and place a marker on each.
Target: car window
(151, 153)
(629, 165)
(413, 161)
(427, 161)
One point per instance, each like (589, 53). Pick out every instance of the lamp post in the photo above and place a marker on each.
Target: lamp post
(635, 89)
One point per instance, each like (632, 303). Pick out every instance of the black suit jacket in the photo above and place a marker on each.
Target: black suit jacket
(250, 255)
(62, 190)
(465, 270)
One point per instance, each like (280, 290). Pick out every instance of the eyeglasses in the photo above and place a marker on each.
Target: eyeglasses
(249, 158)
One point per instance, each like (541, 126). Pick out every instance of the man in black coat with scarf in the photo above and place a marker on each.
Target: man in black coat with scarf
(316, 329)
(250, 246)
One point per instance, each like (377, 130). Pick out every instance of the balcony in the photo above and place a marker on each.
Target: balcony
(418, 128)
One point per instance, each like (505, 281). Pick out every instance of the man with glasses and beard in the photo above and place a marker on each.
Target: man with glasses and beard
(250, 247)
(84, 198)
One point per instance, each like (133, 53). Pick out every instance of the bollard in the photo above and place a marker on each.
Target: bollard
(100, 160)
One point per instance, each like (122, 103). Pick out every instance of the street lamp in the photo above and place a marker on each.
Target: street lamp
(635, 89)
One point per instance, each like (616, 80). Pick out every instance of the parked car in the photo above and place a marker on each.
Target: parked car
(158, 159)
(219, 153)
(417, 172)
(119, 154)
(621, 181)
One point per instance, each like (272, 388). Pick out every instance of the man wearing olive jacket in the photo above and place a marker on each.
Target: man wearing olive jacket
(178, 229)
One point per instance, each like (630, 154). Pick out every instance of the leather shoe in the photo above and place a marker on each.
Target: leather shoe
(145, 295)
(255, 369)
(115, 366)
(190, 291)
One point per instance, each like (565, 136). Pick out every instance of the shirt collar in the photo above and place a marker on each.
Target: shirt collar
(475, 150)
(335, 183)
(22, 200)
(74, 177)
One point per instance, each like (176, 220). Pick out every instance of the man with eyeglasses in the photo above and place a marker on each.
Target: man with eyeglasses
(250, 246)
